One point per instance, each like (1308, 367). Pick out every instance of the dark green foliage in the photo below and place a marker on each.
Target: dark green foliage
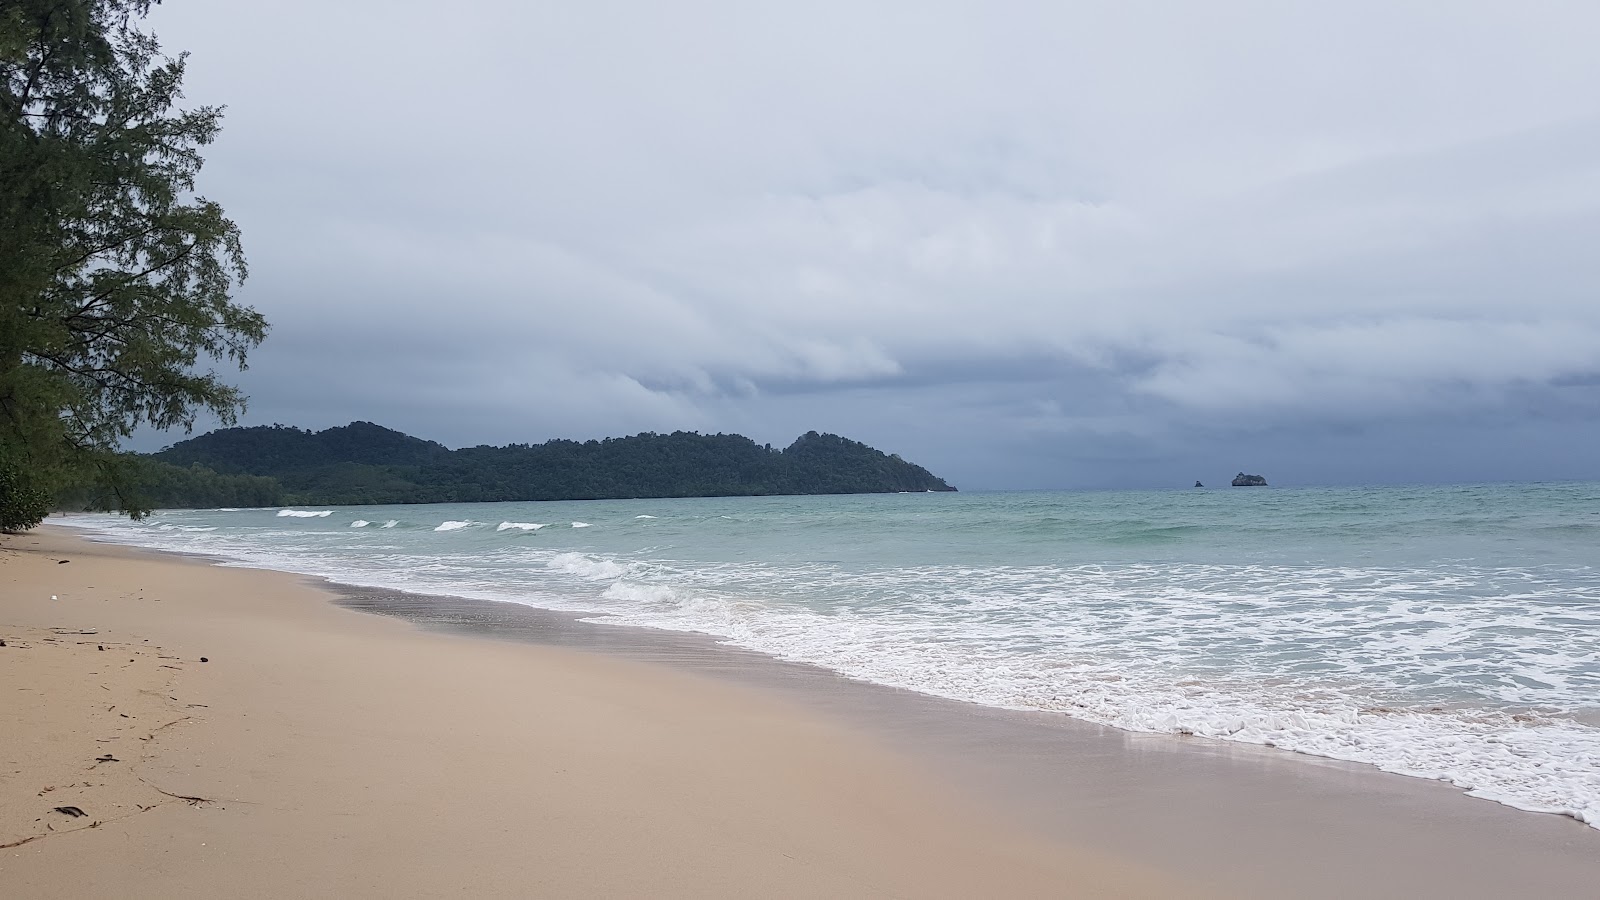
(364, 463)
(22, 503)
(166, 486)
(115, 277)
(282, 448)
(154, 484)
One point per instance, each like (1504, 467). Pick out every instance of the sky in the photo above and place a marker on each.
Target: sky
(1027, 245)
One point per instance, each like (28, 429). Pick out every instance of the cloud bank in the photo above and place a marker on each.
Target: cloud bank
(1034, 245)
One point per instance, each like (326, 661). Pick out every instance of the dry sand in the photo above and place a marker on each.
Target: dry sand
(323, 752)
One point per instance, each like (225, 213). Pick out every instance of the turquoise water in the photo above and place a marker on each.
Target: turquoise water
(1442, 632)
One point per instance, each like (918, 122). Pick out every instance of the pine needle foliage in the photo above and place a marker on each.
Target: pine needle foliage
(116, 277)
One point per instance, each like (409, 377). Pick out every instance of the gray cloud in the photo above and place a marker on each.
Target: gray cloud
(1031, 245)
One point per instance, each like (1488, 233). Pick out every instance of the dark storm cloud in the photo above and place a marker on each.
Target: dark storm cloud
(1037, 244)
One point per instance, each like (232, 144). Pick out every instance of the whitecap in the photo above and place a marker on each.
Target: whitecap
(454, 526)
(581, 525)
(643, 594)
(644, 517)
(586, 566)
(360, 523)
(305, 513)
(1096, 642)
(522, 526)
(391, 523)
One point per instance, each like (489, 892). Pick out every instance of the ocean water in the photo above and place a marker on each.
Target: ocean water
(1440, 632)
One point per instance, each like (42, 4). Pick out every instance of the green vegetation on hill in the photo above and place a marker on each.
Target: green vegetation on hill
(364, 463)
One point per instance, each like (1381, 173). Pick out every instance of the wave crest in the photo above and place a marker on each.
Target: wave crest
(586, 566)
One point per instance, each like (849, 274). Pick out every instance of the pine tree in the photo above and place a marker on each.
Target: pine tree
(115, 276)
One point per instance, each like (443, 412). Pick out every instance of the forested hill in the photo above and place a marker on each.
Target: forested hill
(366, 463)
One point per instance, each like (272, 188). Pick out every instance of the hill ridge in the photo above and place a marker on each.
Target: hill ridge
(366, 463)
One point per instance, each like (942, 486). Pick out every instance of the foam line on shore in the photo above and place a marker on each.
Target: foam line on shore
(1523, 757)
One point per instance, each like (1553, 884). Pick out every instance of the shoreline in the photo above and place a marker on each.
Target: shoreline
(290, 747)
(1207, 814)
(1437, 766)
(1238, 818)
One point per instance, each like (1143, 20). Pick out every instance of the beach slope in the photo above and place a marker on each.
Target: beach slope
(239, 735)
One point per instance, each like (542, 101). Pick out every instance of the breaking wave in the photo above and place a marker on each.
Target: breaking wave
(587, 567)
(1446, 634)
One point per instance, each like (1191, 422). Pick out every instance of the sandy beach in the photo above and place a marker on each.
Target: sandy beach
(1039, 450)
(241, 736)
(254, 733)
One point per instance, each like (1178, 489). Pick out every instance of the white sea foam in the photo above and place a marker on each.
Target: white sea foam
(1459, 672)
(1539, 763)
(454, 526)
(644, 517)
(304, 513)
(390, 524)
(644, 596)
(587, 567)
(522, 526)
(581, 525)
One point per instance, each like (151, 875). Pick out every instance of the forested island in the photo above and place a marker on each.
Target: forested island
(363, 463)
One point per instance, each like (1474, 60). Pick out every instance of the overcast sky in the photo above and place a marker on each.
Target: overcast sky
(1025, 244)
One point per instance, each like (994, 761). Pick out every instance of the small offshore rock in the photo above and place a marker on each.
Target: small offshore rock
(1243, 480)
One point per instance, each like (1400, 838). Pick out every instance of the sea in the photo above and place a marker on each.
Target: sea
(1442, 632)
